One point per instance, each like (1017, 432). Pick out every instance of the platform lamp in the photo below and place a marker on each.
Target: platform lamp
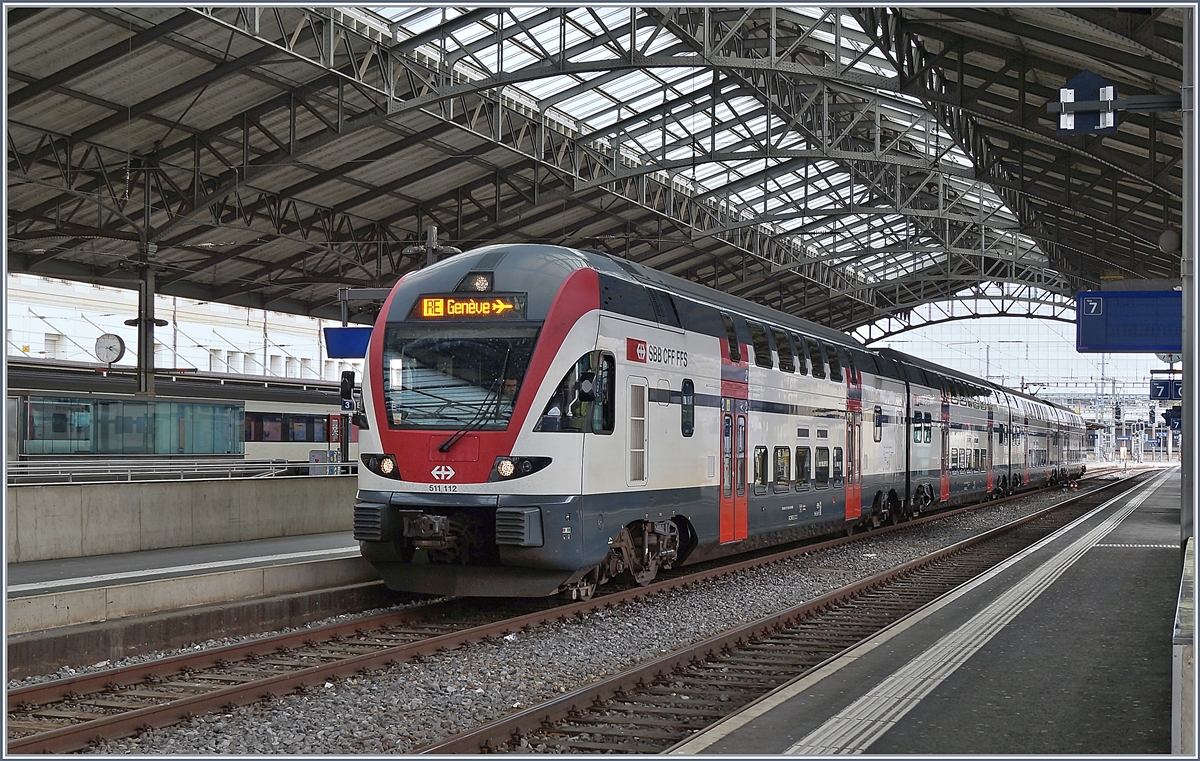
(431, 248)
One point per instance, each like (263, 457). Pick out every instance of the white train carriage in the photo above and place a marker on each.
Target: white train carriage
(540, 419)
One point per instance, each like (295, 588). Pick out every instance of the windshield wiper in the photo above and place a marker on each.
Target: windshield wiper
(477, 421)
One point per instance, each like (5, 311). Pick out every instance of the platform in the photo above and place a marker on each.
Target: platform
(1065, 648)
(55, 593)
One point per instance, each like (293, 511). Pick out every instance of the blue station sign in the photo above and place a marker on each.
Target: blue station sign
(1166, 388)
(1129, 321)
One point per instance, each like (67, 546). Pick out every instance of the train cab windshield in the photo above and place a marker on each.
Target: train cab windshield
(450, 376)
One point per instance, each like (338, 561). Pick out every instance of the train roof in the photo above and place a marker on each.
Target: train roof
(961, 377)
(538, 269)
(649, 276)
(45, 377)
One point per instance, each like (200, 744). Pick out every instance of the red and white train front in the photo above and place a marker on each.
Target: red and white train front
(458, 492)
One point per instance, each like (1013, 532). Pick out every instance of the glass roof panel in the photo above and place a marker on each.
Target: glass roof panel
(668, 114)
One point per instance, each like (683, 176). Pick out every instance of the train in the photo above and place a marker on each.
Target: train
(539, 420)
(58, 409)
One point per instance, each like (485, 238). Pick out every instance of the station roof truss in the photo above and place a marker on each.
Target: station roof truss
(844, 165)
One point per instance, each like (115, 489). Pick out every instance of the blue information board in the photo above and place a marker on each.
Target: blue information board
(347, 343)
(1129, 321)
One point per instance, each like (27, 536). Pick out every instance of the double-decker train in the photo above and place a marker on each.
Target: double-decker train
(538, 419)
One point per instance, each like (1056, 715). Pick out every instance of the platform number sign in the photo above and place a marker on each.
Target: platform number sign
(1166, 388)
(1093, 306)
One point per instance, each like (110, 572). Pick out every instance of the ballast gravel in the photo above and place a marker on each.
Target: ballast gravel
(409, 705)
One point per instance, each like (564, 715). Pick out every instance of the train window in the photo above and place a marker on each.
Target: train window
(762, 349)
(928, 428)
(822, 474)
(954, 460)
(253, 426)
(837, 466)
(783, 468)
(835, 365)
(822, 433)
(784, 347)
(735, 350)
(818, 359)
(803, 467)
(604, 408)
(878, 424)
(272, 429)
(687, 407)
(760, 470)
(727, 456)
(848, 361)
(741, 455)
(803, 433)
(916, 427)
(801, 356)
(1000, 434)
(582, 401)
(448, 377)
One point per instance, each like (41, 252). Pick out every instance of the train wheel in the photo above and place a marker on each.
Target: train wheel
(640, 548)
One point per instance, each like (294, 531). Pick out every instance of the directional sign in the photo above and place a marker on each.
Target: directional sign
(1129, 321)
(461, 306)
(1176, 423)
(1166, 388)
(1087, 86)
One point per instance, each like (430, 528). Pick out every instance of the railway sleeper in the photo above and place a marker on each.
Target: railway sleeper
(773, 664)
(626, 747)
(718, 695)
(669, 701)
(624, 730)
(638, 720)
(656, 709)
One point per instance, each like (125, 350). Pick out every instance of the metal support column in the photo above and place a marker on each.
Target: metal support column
(1187, 454)
(145, 324)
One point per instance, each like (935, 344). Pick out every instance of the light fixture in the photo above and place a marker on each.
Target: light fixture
(387, 465)
(505, 468)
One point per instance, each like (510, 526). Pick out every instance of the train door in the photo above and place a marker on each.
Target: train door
(944, 459)
(854, 406)
(991, 479)
(734, 499)
(853, 472)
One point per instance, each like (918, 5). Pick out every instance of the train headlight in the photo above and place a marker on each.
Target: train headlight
(381, 464)
(516, 467)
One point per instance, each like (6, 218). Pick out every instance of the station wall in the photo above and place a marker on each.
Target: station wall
(80, 520)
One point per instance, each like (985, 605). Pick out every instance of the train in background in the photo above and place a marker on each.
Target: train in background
(539, 420)
(73, 409)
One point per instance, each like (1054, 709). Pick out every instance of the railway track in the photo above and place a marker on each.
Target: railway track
(69, 714)
(658, 705)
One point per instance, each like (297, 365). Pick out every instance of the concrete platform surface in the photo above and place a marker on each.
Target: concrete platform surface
(42, 576)
(48, 594)
(1065, 648)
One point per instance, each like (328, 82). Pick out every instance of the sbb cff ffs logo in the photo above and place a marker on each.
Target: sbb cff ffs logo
(639, 351)
(635, 350)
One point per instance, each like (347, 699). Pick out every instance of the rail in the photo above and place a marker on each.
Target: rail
(43, 473)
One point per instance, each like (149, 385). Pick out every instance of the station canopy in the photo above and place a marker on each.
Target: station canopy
(866, 168)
